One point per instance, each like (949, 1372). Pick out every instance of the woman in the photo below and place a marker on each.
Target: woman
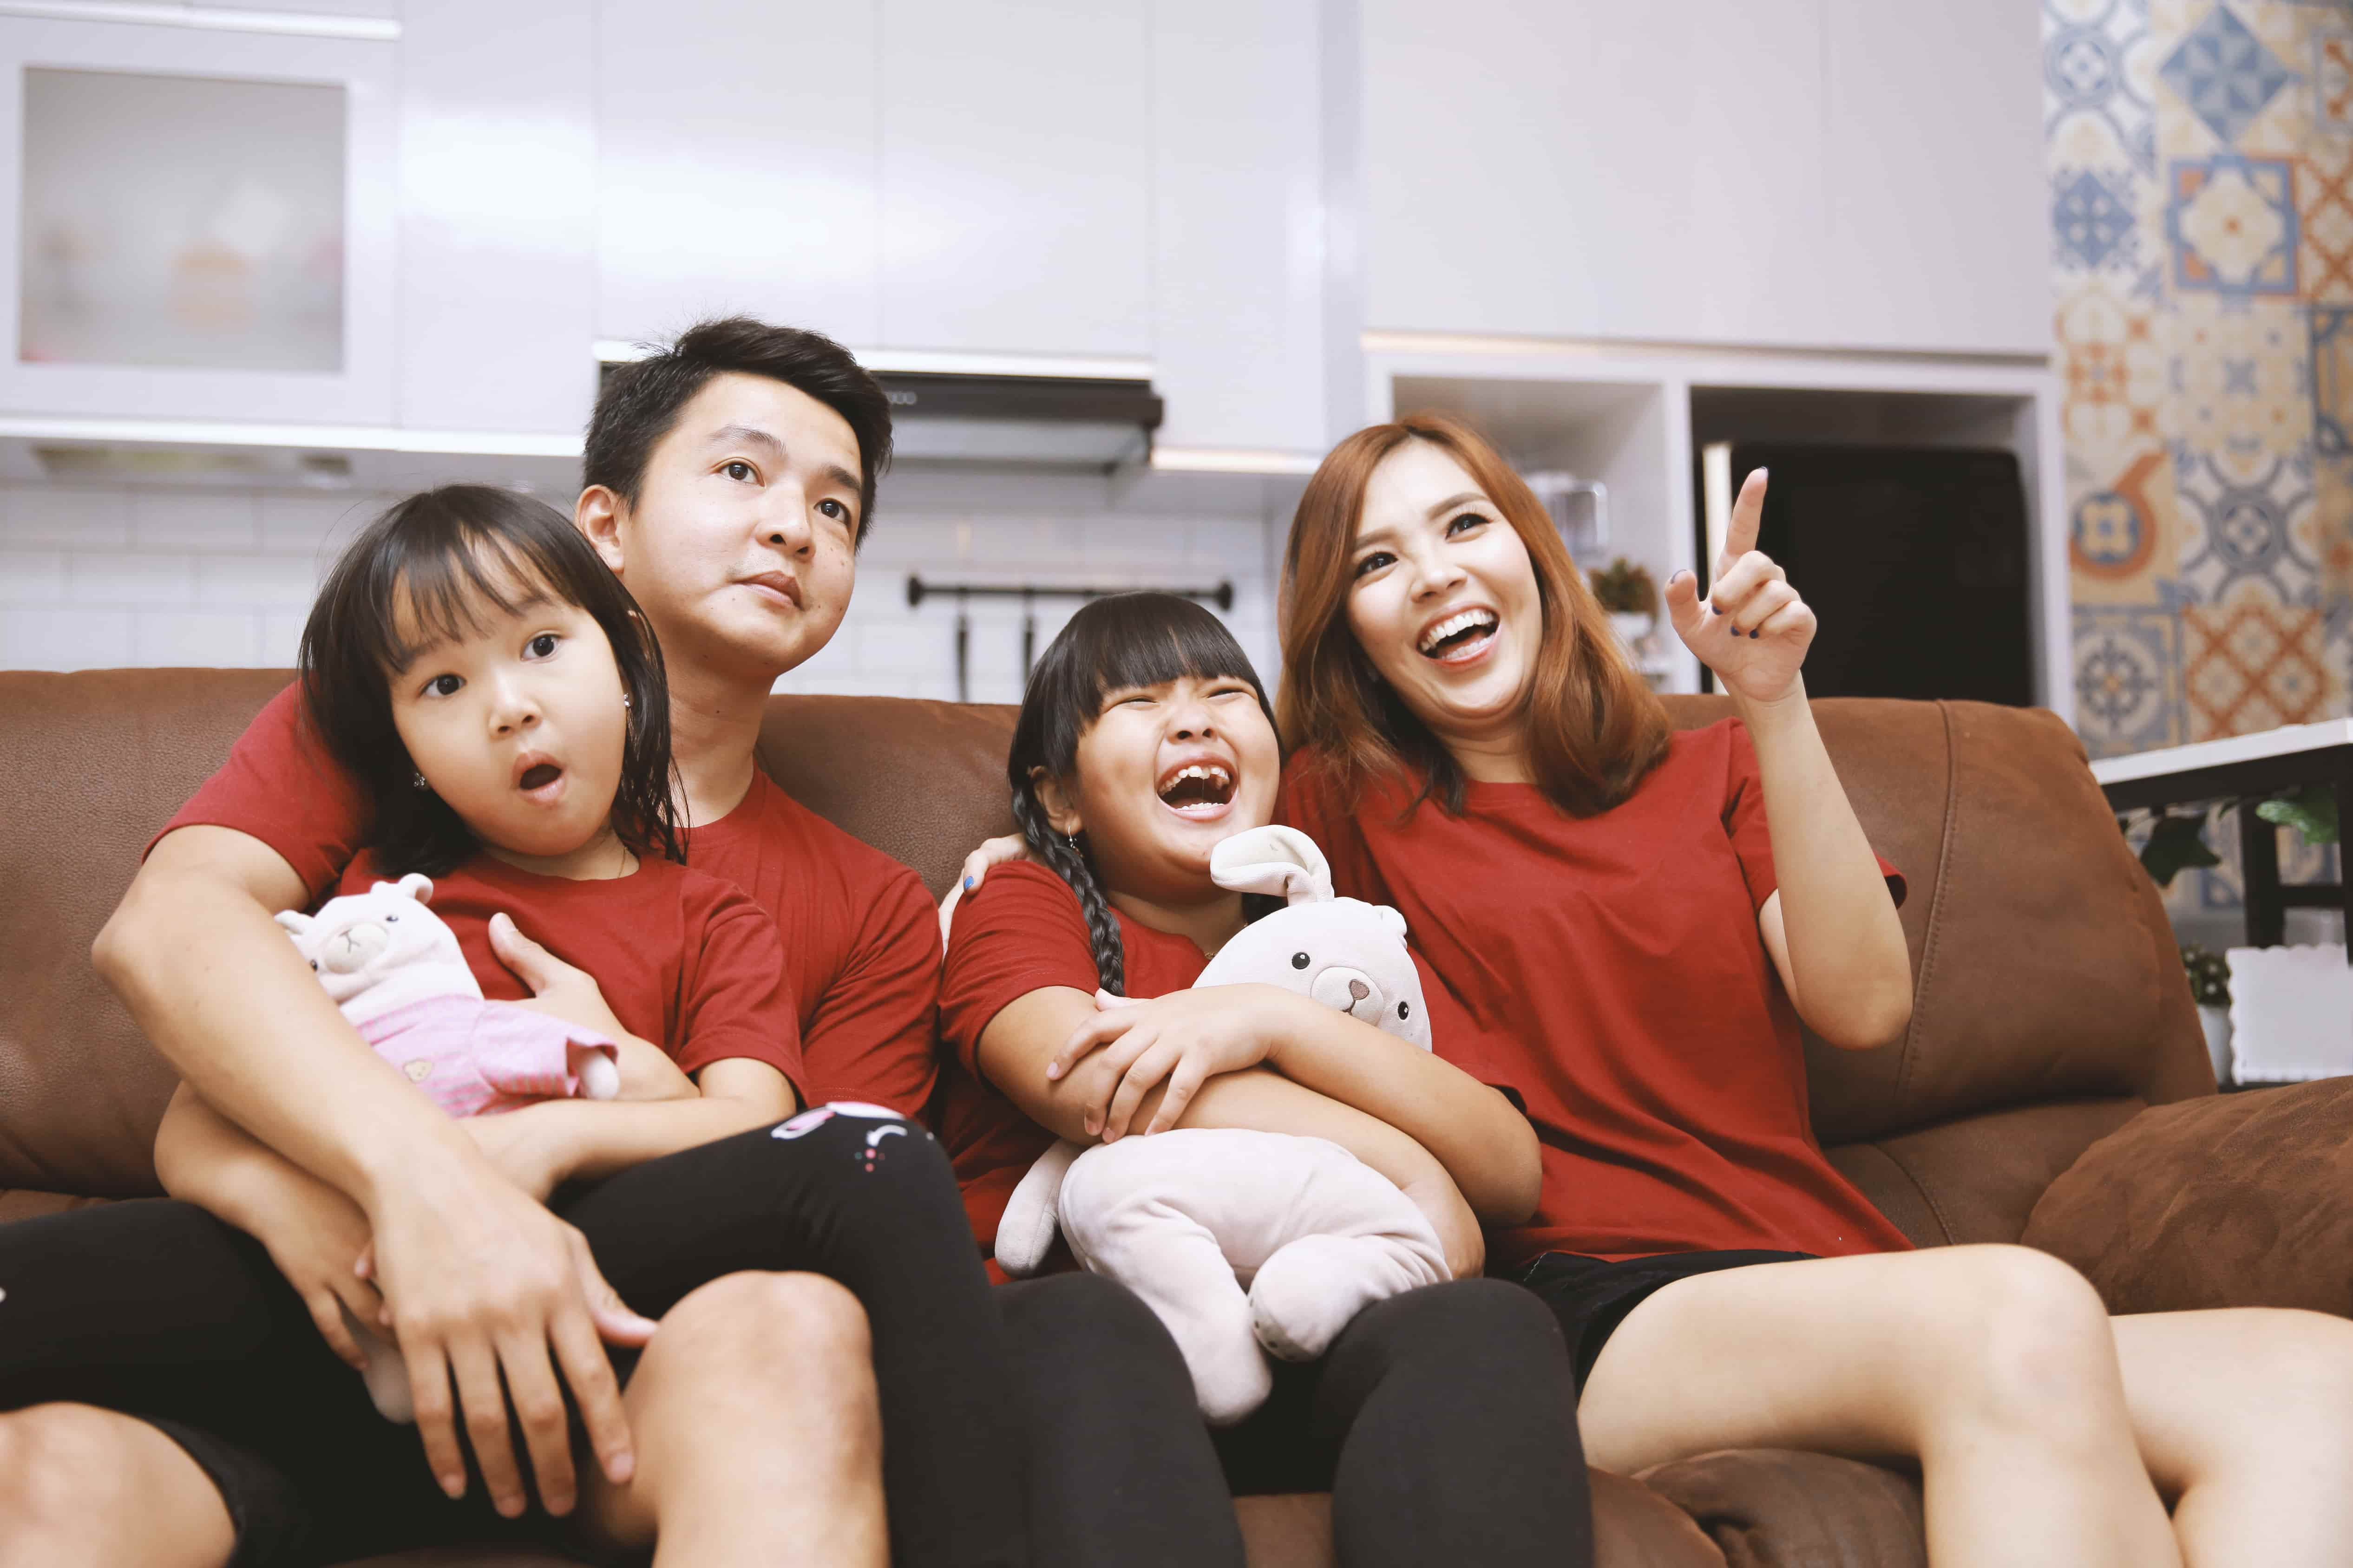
(1638, 921)
(1440, 1419)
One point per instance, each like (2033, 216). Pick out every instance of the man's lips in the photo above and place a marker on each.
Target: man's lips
(783, 586)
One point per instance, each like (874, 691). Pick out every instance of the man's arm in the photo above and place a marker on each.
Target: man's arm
(193, 952)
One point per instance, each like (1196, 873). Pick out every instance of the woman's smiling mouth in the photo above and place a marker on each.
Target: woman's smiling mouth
(1461, 637)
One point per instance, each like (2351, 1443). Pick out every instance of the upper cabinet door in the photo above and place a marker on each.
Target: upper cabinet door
(1791, 172)
(1237, 277)
(736, 145)
(196, 224)
(1017, 166)
(1939, 233)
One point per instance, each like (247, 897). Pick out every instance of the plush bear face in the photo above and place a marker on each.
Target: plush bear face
(382, 949)
(1344, 952)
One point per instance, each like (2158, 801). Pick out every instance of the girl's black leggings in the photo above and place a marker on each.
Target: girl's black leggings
(1444, 1423)
(155, 1309)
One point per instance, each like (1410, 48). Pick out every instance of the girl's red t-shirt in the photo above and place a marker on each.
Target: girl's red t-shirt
(1024, 933)
(1611, 971)
(682, 958)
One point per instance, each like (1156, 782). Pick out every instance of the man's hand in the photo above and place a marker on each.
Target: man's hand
(481, 1283)
(557, 989)
(992, 852)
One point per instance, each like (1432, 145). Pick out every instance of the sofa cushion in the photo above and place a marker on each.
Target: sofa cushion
(2239, 1200)
(1977, 1178)
(1780, 1507)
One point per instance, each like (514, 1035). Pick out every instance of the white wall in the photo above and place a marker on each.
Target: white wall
(107, 578)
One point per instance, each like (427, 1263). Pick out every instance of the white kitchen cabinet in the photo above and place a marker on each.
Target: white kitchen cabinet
(1238, 214)
(736, 150)
(249, 283)
(1015, 176)
(498, 204)
(1834, 172)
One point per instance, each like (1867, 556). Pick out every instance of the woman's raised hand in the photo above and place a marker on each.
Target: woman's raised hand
(1186, 1037)
(1753, 629)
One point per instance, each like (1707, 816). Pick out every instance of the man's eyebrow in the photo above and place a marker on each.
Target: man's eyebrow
(746, 436)
(1450, 502)
(843, 476)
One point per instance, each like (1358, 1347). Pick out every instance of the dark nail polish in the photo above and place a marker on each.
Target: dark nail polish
(1758, 632)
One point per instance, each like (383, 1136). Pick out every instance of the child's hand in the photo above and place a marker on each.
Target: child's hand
(317, 1238)
(992, 852)
(557, 989)
(1753, 629)
(1184, 1037)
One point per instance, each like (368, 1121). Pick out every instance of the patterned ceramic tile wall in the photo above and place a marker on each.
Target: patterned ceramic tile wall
(2201, 170)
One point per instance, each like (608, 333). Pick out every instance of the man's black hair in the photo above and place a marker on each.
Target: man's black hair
(639, 402)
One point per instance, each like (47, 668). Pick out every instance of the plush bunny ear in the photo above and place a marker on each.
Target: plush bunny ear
(294, 921)
(1280, 861)
(416, 885)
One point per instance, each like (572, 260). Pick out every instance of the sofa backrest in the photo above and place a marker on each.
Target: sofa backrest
(2045, 968)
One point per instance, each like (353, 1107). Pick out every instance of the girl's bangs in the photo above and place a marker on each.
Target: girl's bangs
(450, 587)
(1151, 640)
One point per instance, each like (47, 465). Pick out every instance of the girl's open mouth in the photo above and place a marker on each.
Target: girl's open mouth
(1200, 791)
(1461, 638)
(542, 782)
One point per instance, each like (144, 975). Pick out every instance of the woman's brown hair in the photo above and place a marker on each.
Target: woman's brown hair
(1594, 728)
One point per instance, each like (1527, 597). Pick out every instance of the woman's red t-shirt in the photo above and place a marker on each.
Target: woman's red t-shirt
(1612, 969)
(683, 958)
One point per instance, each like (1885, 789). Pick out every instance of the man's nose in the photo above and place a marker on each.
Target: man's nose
(785, 523)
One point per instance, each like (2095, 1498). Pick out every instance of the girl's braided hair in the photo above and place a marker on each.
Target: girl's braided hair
(1111, 645)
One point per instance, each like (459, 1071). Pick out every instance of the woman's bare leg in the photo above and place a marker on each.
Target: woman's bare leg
(2245, 1420)
(85, 1487)
(1994, 1366)
(759, 1438)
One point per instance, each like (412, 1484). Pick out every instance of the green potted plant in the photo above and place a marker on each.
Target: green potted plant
(2210, 983)
(1625, 589)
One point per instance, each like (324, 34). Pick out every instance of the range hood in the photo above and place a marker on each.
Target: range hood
(1093, 422)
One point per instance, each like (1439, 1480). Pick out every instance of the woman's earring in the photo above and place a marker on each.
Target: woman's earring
(418, 781)
(625, 700)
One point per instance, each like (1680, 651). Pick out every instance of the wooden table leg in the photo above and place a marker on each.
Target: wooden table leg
(2260, 878)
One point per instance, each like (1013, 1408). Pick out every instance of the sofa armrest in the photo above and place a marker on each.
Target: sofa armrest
(2238, 1200)
(1780, 1507)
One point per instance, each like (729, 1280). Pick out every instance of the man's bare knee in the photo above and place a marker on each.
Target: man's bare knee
(83, 1485)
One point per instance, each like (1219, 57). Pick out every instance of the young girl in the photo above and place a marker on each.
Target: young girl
(1440, 1419)
(493, 689)
(1637, 920)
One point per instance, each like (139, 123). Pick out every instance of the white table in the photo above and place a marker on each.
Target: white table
(2268, 762)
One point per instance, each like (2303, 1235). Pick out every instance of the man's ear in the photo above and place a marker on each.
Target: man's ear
(597, 514)
(1061, 813)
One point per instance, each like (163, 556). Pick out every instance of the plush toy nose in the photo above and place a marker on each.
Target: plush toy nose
(350, 949)
(1352, 991)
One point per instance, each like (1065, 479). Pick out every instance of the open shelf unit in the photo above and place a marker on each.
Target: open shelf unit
(1635, 417)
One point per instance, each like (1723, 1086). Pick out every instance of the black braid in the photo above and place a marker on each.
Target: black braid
(1068, 862)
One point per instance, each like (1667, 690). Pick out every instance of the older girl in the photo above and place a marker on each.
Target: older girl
(1440, 1419)
(1637, 920)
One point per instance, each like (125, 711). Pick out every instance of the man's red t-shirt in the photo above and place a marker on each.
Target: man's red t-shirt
(861, 937)
(683, 958)
(1613, 968)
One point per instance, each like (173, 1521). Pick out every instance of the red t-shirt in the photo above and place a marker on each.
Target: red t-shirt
(683, 958)
(1613, 967)
(860, 938)
(1025, 935)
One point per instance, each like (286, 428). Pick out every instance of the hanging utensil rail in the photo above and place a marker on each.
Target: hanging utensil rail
(1222, 596)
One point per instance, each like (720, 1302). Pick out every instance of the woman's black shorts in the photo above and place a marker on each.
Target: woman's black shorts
(1592, 1295)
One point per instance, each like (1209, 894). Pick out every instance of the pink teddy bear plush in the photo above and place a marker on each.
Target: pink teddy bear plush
(397, 972)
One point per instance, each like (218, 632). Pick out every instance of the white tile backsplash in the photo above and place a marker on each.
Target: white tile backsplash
(94, 578)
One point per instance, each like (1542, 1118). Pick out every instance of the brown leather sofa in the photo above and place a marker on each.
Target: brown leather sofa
(2050, 1007)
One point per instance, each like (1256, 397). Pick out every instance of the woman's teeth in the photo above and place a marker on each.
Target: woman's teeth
(1456, 631)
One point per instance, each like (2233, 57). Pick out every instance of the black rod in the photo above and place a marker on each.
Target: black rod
(1222, 596)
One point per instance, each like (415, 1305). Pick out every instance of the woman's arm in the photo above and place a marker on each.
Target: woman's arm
(1024, 1038)
(1187, 1038)
(1830, 926)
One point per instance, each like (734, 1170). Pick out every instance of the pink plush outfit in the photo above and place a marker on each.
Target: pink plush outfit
(475, 1057)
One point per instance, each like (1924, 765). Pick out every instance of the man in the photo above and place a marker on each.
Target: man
(729, 481)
